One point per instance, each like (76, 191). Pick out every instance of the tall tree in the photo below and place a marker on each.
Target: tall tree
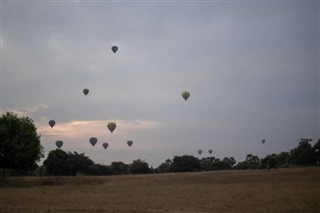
(78, 163)
(164, 167)
(119, 168)
(316, 150)
(56, 162)
(208, 163)
(20, 146)
(59, 162)
(139, 167)
(283, 158)
(270, 161)
(185, 163)
(303, 153)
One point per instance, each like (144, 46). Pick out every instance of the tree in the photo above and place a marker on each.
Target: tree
(139, 167)
(283, 158)
(119, 168)
(56, 162)
(228, 163)
(316, 151)
(207, 164)
(78, 163)
(164, 167)
(98, 169)
(186, 163)
(20, 146)
(303, 153)
(253, 161)
(59, 162)
(270, 161)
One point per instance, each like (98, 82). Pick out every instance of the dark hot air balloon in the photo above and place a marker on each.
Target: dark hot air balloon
(185, 95)
(112, 126)
(210, 151)
(114, 49)
(93, 141)
(105, 145)
(85, 91)
(59, 144)
(263, 141)
(200, 151)
(52, 123)
(129, 143)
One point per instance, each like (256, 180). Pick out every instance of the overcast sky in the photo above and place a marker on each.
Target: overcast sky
(252, 69)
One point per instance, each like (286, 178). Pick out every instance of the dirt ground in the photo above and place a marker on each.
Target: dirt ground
(282, 190)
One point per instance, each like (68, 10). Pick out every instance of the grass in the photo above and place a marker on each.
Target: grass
(283, 190)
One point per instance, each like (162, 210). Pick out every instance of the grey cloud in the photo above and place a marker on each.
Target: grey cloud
(251, 68)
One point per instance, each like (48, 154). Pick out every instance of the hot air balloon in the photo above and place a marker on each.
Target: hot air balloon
(114, 49)
(93, 141)
(52, 123)
(105, 145)
(129, 143)
(112, 126)
(59, 144)
(210, 151)
(200, 151)
(185, 95)
(85, 91)
(263, 141)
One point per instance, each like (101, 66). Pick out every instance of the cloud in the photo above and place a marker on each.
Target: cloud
(250, 75)
(97, 128)
(27, 110)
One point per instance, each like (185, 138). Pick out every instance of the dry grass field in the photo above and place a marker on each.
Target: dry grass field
(282, 190)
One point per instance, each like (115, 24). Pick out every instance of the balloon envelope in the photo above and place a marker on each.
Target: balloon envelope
(185, 95)
(210, 151)
(52, 123)
(129, 143)
(114, 49)
(85, 91)
(200, 151)
(93, 141)
(105, 145)
(59, 144)
(263, 141)
(112, 126)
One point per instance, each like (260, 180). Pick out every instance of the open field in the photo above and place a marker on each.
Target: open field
(282, 190)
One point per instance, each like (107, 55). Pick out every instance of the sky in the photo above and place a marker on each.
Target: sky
(251, 67)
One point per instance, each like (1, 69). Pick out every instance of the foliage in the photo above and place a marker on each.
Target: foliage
(139, 167)
(303, 153)
(164, 167)
(56, 162)
(251, 162)
(20, 146)
(212, 163)
(98, 169)
(270, 161)
(207, 164)
(59, 162)
(185, 163)
(78, 163)
(283, 158)
(228, 162)
(119, 168)
(316, 152)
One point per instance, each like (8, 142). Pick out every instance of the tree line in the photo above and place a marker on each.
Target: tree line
(20, 149)
(60, 162)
